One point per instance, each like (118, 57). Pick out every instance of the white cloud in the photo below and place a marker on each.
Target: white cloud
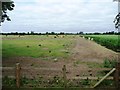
(64, 13)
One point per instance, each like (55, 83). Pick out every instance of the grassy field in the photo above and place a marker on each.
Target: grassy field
(37, 46)
(109, 41)
(37, 52)
(49, 46)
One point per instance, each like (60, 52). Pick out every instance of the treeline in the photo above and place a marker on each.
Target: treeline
(105, 33)
(34, 33)
(61, 33)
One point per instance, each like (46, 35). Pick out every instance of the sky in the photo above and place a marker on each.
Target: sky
(61, 16)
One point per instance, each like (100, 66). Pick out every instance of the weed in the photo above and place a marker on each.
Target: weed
(109, 63)
(32, 64)
(8, 82)
(85, 82)
(39, 45)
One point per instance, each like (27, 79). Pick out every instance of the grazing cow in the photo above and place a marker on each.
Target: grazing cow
(91, 39)
(88, 38)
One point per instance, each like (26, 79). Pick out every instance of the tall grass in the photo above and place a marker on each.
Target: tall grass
(109, 41)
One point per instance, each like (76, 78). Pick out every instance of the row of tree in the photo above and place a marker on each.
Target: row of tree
(34, 33)
(105, 33)
(61, 33)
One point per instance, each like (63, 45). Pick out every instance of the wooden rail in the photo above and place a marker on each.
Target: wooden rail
(53, 69)
(104, 77)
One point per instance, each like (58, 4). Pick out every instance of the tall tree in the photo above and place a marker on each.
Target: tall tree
(6, 6)
(117, 20)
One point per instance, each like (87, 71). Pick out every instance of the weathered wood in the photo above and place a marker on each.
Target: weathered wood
(54, 69)
(90, 78)
(116, 76)
(64, 76)
(18, 75)
(104, 77)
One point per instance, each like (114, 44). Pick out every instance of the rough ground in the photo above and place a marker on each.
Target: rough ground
(83, 53)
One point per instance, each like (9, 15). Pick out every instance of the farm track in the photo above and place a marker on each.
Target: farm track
(83, 51)
(87, 50)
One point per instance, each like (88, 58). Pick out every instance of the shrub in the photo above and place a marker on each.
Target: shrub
(8, 82)
(109, 63)
(27, 46)
(85, 82)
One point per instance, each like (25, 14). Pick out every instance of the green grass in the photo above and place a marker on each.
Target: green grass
(29, 46)
(109, 41)
(89, 64)
(107, 63)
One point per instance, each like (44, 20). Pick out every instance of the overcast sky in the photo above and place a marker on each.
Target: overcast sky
(61, 16)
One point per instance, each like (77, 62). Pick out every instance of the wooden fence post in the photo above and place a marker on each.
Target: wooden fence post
(116, 76)
(64, 76)
(18, 75)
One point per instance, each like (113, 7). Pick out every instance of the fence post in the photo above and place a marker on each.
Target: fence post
(116, 76)
(18, 75)
(64, 76)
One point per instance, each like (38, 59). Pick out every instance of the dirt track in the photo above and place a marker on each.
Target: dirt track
(90, 51)
(83, 51)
